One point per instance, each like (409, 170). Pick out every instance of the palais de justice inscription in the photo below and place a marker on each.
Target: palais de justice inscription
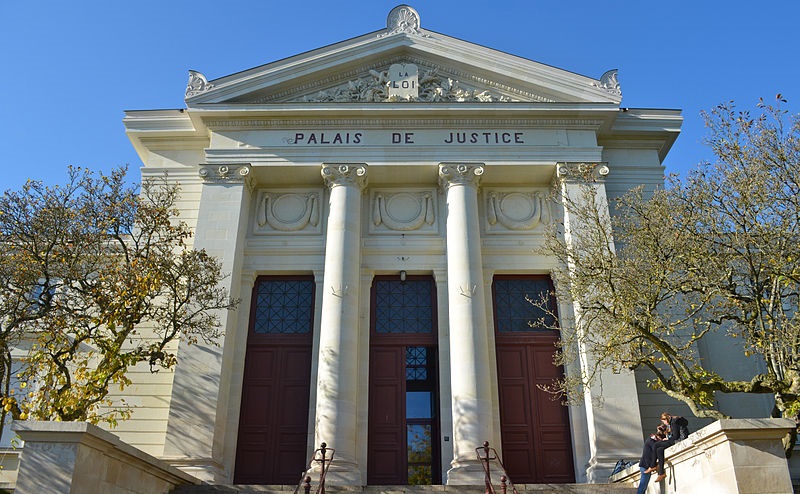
(408, 138)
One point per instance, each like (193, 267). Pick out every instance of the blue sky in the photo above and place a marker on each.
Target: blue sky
(68, 70)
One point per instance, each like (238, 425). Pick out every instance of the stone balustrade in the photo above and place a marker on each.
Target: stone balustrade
(734, 456)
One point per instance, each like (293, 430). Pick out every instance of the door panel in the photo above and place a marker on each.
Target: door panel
(385, 462)
(273, 419)
(273, 428)
(535, 432)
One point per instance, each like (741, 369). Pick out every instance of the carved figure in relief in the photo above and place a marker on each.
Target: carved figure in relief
(302, 211)
(397, 218)
(518, 210)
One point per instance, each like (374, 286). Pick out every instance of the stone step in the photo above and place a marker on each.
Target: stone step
(408, 489)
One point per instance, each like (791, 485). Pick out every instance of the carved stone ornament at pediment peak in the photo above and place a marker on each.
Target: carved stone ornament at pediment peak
(403, 20)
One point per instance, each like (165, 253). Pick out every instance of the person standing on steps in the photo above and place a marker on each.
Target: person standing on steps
(678, 431)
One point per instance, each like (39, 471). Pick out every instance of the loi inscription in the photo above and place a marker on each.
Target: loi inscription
(403, 81)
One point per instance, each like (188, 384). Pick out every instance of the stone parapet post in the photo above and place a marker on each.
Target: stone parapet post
(64, 457)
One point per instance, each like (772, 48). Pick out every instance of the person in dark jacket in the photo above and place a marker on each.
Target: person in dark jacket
(678, 431)
(648, 460)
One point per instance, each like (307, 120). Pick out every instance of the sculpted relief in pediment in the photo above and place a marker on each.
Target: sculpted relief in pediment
(429, 86)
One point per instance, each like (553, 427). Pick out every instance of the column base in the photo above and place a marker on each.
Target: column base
(467, 472)
(342, 472)
(599, 469)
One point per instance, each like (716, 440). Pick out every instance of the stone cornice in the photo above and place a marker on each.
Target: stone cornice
(344, 174)
(460, 174)
(433, 123)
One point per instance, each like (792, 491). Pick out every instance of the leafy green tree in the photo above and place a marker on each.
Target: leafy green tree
(96, 277)
(716, 252)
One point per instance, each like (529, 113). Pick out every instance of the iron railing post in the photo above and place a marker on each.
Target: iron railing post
(324, 456)
(486, 454)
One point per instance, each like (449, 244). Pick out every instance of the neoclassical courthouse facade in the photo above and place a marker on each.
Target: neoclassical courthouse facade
(377, 203)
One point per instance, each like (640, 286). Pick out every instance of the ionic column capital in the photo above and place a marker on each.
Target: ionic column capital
(460, 173)
(231, 173)
(344, 174)
(579, 171)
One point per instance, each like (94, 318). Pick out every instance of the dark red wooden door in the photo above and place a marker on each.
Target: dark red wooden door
(402, 443)
(535, 432)
(387, 452)
(273, 420)
(537, 447)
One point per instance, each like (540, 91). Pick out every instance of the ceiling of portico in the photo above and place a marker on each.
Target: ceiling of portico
(358, 71)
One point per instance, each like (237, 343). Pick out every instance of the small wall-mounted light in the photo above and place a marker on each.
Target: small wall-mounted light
(403, 275)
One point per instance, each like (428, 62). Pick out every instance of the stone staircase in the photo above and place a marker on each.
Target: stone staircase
(408, 489)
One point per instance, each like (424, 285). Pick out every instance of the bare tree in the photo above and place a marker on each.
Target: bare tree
(716, 252)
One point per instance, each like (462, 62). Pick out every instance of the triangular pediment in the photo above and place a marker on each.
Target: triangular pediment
(365, 70)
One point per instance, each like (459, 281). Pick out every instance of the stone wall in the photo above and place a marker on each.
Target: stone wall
(735, 456)
(77, 457)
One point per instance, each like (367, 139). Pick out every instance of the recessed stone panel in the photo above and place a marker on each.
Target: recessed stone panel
(405, 211)
(288, 211)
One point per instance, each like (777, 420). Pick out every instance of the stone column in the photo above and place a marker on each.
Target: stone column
(337, 378)
(469, 343)
(198, 412)
(611, 402)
